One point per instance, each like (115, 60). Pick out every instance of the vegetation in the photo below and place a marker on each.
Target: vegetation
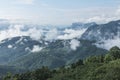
(103, 67)
(4, 69)
(58, 51)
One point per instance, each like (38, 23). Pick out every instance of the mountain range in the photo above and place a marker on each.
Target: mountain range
(58, 47)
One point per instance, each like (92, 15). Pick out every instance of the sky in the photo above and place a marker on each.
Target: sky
(60, 12)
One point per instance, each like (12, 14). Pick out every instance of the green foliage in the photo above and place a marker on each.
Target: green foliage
(58, 54)
(80, 62)
(39, 74)
(113, 54)
(94, 59)
(92, 68)
(110, 71)
(8, 77)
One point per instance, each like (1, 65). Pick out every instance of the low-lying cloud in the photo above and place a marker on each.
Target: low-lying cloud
(109, 43)
(10, 46)
(51, 35)
(71, 34)
(40, 34)
(16, 30)
(36, 48)
(74, 44)
(37, 33)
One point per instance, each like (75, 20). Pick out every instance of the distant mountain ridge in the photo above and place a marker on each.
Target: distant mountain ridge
(19, 51)
(79, 25)
(103, 31)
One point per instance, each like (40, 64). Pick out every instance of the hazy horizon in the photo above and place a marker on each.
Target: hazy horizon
(60, 12)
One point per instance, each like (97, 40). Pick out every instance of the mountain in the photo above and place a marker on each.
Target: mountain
(15, 48)
(79, 25)
(105, 67)
(19, 51)
(106, 31)
(63, 47)
(6, 69)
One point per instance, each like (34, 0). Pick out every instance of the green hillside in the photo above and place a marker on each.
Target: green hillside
(4, 69)
(57, 54)
(102, 67)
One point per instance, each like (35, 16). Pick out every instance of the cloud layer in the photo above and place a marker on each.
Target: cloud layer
(71, 34)
(24, 1)
(109, 43)
(40, 33)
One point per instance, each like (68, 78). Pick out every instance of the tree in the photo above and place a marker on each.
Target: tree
(113, 54)
(78, 63)
(94, 59)
(8, 76)
(42, 74)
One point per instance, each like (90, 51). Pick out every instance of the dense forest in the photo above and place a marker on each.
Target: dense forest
(102, 67)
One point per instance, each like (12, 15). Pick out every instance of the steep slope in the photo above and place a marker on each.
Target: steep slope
(79, 25)
(15, 48)
(58, 54)
(103, 31)
(28, 53)
(92, 68)
(5, 69)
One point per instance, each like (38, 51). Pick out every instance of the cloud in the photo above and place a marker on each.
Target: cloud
(105, 17)
(17, 30)
(70, 34)
(12, 31)
(44, 5)
(74, 44)
(109, 43)
(34, 33)
(118, 11)
(36, 48)
(51, 35)
(29, 2)
(99, 19)
(39, 13)
(10, 46)
(38, 33)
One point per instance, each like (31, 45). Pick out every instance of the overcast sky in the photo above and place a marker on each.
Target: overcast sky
(60, 12)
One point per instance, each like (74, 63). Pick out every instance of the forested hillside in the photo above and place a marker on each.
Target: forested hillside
(102, 67)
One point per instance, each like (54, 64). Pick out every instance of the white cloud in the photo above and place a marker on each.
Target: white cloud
(37, 34)
(109, 43)
(74, 44)
(15, 30)
(10, 46)
(51, 35)
(61, 16)
(24, 1)
(118, 11)
(36, 48)
(99, 19)
(70, 34)
(105, 17)
(44, 5)
(11, 32)
(34, 33)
